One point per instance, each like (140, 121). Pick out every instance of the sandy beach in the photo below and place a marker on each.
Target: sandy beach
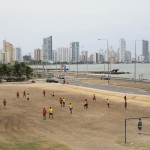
(95, 128)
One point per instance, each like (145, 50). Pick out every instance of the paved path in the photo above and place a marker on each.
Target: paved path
(111, 88)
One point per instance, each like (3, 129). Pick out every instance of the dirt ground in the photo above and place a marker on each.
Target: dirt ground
(96, 128)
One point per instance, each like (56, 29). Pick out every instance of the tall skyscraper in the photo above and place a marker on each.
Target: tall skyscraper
(18, 54)
(47, 49)
(122, 49)
(38, 54)
(74, 52)
(145, 50)
(7, 52)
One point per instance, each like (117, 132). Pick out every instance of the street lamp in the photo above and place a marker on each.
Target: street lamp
(77, 62)
(107, 56)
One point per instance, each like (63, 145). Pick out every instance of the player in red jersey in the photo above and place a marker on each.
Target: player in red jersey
(44, 113)
(4, 102)
(94, 97)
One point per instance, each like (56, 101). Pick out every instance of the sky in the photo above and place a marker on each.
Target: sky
(25, 23)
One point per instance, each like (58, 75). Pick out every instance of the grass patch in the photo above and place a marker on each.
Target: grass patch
(32, 144)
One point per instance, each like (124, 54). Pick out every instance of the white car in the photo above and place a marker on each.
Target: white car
(2, 80)
(61, 76)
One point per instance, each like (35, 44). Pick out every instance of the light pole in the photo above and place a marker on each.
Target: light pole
(107, 56)
(77, 63)
(135, 64)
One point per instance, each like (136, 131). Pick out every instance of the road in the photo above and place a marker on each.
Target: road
(111, 88)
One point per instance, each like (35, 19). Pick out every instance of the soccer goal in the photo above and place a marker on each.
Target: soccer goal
(136, 125)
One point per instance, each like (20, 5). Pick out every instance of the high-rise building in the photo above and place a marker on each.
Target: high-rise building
(145, 50)
(54, 56)
(27, 58)
(122, 49)
(141, 58)
(47, 49)
(96, 58)
(127, 56)
(0, 56)
(37, 54)
(63, 54)
(18, 54)
(74, 52)
(84, 56)
(113, 57)
(7, 52)
(91, 59)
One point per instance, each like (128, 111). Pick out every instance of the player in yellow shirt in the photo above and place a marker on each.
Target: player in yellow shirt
(50, 112)
(64, 101)
(53, 94)
(86, 103)
(70, 107)
(108, 103)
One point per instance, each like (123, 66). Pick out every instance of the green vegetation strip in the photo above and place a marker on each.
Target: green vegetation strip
(31, 144)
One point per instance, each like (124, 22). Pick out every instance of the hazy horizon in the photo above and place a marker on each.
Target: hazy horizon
(26, 23)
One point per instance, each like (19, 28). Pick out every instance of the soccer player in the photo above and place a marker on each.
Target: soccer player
(108, 103)
(44, 93)
(64, 101)
(86, 103)
(140, 126)
(70, 107)
(50, 112)
(4, 102)
(17, 94)
(44, 113)
(94, 97)
(61, 101)
(53, 94)
(24, 93)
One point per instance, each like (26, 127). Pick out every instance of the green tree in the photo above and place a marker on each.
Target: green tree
(28, 71)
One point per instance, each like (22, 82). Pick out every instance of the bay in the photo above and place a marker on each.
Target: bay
(141, 69)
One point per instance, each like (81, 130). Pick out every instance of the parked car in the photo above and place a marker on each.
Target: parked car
(52, 80)
(32, 81)
(2, 80)
(105, 78)
(61, 76)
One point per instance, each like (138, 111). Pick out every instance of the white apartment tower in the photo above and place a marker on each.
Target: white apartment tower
(63, 54)
(122, 49)
(54, 56)
(84, 56)
(7, 52)
(38, 54)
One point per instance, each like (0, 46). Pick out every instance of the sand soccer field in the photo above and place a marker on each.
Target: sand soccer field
(96, 128)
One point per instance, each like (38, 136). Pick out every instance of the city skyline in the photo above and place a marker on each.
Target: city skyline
(73, 54)
(26, 23)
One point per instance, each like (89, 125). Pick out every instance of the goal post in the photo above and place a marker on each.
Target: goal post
(125, 137)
